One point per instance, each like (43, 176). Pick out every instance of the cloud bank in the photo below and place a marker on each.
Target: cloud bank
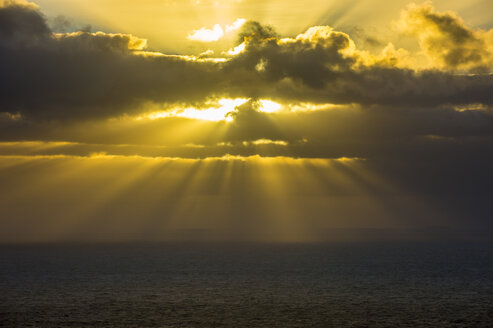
(425, 127)
(82, 74)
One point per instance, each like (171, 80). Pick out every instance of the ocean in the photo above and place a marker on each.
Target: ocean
(247, 285)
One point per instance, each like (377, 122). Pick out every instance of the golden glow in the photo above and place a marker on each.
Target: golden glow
(214, 113)
(217, 32)
(168, 23)
(220, 112)
(156, 198)
(267, 142)
(132, 167)
(472, 107)
(208, 114)
(269, 106)
(309, 107)
(133, 43)
(237, 50)
(207, 35)
(237, 24)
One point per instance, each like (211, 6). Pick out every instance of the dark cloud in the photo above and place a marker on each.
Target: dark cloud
(82, 74)
(87, 75)
(254, 31)
(313, 61)
(22, 23)
(355, 131)
(251, 124)
(322, 66)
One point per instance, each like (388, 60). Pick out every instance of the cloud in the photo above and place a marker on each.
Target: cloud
(253, 30)
(217, 32)
(84, 75)
(22, 21)
(236, 25)
(323, 65)
(315, 95)
(207, 35)
(448, 42)
(81, 74)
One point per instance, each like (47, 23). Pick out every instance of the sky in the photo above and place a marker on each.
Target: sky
(245, 120)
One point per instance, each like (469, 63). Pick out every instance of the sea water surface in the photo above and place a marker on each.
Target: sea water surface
(247, 285)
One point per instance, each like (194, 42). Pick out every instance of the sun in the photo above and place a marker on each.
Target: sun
(269, 106)
(218, 111)
(215, 113)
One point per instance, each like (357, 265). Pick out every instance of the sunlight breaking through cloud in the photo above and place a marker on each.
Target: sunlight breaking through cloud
(220, 112)
(274, 110)
(217, 32)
